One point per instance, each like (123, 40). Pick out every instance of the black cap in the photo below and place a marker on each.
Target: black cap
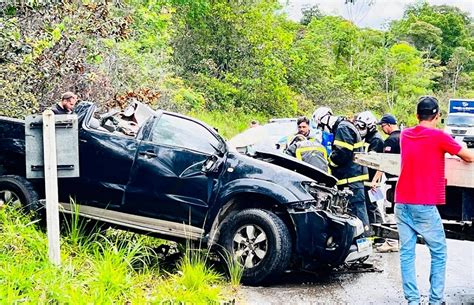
(387, 119)
(427, 105)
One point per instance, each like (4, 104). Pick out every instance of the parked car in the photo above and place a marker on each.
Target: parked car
(176, 178)
(272, 135)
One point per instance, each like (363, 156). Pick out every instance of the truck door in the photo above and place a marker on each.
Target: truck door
(167, 181)
(105, 162)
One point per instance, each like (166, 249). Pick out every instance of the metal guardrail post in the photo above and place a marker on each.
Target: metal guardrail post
(51, 186)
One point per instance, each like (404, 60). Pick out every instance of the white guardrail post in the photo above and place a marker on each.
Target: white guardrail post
(51, 186)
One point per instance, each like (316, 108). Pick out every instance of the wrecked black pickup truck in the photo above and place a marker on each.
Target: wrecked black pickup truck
(176, 178)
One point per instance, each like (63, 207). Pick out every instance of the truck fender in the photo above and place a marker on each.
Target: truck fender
(245, 186)
(255, 186)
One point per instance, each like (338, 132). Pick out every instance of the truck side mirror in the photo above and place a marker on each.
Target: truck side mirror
(210, 165)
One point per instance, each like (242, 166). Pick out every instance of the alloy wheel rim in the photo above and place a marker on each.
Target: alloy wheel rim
(250, 245)
(10, 198)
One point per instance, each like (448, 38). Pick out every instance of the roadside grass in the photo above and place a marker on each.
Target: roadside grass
(113, 268)
(234, 269)
(193, 283)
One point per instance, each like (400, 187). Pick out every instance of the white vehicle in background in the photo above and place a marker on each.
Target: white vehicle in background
(272, 135)
(460, 120)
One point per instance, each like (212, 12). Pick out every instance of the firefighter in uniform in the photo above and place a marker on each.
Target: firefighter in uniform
(347, 141)
(366, 123)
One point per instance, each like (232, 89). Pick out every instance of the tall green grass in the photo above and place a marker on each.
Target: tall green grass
(193, 283)
(113, 268)
(235, 269)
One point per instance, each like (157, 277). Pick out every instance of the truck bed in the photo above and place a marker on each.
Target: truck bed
(458, 172)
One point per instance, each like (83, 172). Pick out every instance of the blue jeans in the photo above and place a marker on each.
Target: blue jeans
(413, 219)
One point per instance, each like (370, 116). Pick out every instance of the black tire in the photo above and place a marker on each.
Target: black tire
(261, 259)
(18, 191)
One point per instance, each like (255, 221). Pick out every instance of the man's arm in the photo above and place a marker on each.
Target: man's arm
(376, 180)
(466, 154)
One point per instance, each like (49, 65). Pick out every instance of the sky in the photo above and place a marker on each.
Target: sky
(375, 16)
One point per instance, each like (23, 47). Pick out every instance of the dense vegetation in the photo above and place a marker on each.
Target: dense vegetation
(115, 268)
(219, 57)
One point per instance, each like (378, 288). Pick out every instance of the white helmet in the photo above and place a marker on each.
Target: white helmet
(366, 122)
(321, 117)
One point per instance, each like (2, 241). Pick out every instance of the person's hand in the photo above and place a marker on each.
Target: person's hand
(374, 185)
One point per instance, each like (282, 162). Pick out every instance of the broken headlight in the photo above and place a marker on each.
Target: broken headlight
(304, 205)
(322, 198)
(328, 198)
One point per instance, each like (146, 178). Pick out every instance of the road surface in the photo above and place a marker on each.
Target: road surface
(371, 288)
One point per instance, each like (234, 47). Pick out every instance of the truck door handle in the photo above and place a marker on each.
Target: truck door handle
(148, 154)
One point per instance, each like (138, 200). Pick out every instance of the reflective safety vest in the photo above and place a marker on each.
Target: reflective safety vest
(347, 141)
(311, 152)
(315, 155)
(353, 179)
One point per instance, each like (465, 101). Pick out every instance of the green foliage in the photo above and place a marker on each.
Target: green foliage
(194, 282)
(448, 22)
(310, 12)
(230, 123)
(239, 57)
(424, 36)
(234, 268)
(117, 268)
(235, 56)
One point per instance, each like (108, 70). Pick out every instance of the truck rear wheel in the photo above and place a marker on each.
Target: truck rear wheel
(17, 191)
(259, 241)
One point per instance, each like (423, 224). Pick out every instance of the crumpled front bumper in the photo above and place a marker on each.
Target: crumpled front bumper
(325, 238)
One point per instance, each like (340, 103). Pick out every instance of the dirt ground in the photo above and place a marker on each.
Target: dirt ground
(371, 287)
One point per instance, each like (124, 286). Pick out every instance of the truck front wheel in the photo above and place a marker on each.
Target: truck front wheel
(17, 191)
(259, 241)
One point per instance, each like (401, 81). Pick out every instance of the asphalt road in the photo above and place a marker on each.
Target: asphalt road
(371, 287)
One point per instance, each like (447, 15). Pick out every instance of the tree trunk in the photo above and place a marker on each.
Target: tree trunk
(456, 77)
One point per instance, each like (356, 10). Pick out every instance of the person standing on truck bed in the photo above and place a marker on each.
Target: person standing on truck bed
(66, 105)
(420, 187)
(347, 141)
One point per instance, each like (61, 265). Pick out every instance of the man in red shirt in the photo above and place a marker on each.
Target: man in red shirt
(420, 187)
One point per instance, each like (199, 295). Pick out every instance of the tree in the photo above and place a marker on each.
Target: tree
(50, 48)
(452, 22)
(425, 37)
(235, 54)
(460, 60)
(310, 12)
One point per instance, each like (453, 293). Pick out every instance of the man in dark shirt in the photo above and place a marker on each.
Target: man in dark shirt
(66, 105)
(391, 145)
(388, 123)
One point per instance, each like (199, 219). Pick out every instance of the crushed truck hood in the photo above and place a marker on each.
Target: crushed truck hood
(296, 165)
